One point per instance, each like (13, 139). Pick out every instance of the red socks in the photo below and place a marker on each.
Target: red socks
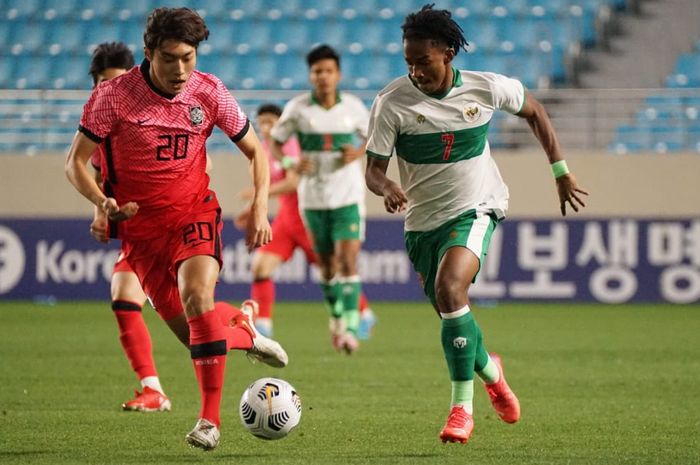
(263, 291)
(364, 304)
(135, 338)
(208, 351)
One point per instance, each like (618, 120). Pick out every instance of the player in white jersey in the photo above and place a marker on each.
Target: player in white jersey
(331, 127)
(436, 119)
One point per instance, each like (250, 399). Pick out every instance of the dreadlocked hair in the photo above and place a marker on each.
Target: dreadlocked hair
(436, 25)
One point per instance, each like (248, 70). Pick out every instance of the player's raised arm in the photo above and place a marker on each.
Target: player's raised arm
(567, 187)
(259, 232)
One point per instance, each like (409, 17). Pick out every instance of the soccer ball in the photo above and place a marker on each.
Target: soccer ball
(270, 408)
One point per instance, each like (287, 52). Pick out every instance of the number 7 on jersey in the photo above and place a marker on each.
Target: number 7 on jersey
(447, 139)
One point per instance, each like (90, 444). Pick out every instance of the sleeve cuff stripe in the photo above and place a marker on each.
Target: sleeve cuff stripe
(241, 134)
(90, 135)
(376, 155)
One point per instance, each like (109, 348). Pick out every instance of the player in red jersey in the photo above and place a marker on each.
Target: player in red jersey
(154, 121)
(288, 228)
(111, 60)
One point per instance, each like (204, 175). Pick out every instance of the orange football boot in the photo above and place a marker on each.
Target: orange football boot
(149, 400)
(502, 397)
(459, 426)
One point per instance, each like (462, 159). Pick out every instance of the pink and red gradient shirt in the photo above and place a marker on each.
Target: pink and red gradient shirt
(154, 150)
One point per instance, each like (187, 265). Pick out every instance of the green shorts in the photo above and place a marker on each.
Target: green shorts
(330, 226)
(426, 248)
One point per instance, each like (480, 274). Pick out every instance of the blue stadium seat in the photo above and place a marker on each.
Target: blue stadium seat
(131, 32)
(27, 37)
(256, 72)
(331, 32)
(137, 10)
(513, 7)
(14, 10)
(225, 68)
(102, 9)
(288, 8)
(293, 33)
(400, 7)
(59, 10)
(212, 9)
(221, 40)
(668, 138)
(249, 8)
(483, 35)
(693, 138)
(254, 34)
(633, 138)
(7, 71)
(292, 71)
(365, 33)
(31, 73)
(364, 8)
(98, 32)
(688, 64)
(67, 36)
(70, 72)
(324, 8)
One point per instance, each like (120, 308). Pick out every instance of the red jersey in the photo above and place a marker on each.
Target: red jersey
(154, 150)
(288, 203)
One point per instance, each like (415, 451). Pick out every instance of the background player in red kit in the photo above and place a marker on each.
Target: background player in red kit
(154, 122)
(288, 228)
(110, 60)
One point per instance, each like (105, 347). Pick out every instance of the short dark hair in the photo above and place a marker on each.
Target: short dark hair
(180, 24)
(322, 52)
(436, 25)
(270, 108)
(110, 55)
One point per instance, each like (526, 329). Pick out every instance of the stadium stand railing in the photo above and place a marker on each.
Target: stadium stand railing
(34, 121)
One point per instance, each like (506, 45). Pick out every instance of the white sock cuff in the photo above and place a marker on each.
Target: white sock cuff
(456, 314)
(152, 382)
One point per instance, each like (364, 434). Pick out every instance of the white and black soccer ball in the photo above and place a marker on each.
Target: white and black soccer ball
(270, 408)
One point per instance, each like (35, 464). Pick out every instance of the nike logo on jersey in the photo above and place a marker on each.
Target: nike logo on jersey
(142, 121)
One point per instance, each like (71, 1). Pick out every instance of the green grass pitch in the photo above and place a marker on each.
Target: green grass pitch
(597, 384)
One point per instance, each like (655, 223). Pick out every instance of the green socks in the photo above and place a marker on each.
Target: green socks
(460, 339)
(350, 288)
(330, 297)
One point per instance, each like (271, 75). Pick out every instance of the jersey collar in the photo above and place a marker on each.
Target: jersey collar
(315, 101)
(456, 82)
(146, 73)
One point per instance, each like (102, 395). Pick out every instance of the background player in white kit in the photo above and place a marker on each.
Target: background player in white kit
(328, 124)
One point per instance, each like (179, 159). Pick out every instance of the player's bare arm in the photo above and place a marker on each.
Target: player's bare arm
(395, 199)
(538, 120)
(352, 153)
(76, 170)
(258, 232)
(98, 227)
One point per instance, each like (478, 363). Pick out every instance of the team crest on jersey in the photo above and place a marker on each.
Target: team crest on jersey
(420, 119)
(196, 115)
(471, 112)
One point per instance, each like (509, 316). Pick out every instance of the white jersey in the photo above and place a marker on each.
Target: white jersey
(322, 133)
(444, 159)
